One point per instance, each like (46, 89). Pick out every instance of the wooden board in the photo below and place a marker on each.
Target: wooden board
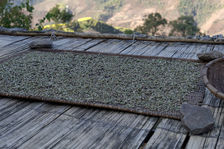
(141, 51)
(136, 47)
(88, 45)
(4, 42)
(76, 43)
(93, 128)
(180, 52)
(219, 48)
(189, 51)
(169, 134)
(16, 129)
(155, 50)
(17, 47)
(171, 49)
(200, 48)
(111, 46)
(60, 43)
(12, 38)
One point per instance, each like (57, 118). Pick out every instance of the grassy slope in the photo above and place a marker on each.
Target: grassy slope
(88, 24)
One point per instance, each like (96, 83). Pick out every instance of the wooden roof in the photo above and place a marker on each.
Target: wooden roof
(25, 124)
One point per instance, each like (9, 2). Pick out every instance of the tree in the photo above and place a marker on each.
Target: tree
(151, 24)
(16, 16)
(184, 25)
(3, 4)
(57, 15)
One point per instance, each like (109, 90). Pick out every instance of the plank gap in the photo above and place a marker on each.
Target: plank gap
(150, 134)
(95, 45)
(185, 141)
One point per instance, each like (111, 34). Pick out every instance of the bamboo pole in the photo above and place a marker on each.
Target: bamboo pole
(110, 36)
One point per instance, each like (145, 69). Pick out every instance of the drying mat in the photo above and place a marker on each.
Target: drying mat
(145, 86)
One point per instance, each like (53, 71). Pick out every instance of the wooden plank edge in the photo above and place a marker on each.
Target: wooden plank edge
(111, 36)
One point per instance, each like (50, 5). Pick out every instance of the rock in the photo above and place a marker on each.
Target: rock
(219, 40)
(206, 38)
(189, 37)
(196, 120)
(41, 44)
(217, 36)
(198, 37)
(209, 56)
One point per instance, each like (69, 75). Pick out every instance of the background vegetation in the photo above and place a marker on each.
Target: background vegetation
(199, 9)
(109, 7)
(62, 19)
(16, 15)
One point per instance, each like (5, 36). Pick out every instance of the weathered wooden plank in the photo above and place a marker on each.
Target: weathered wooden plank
(198, 48)
(69, 43)
(220, 132)
(12, 38)
(188, 51)
(5, 103)
(180, 52)
(210, 47)
(111, 46)
(143, 50)
(4, 43)
(58, 129)
(16, 119)
(26, 123)
(155, 50)
(12, 108)
(219, 48)
(168, 134)
(140, 51)
(16, 40)
(220, 143)
(17, 47)
(59, 43)
(136, 138)
(171, 49)
(92, 128)
(66, 44)
(88, 45)
(210, 100)
(136, 47)
(76, 43)
(191, 52)
(209, 140)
